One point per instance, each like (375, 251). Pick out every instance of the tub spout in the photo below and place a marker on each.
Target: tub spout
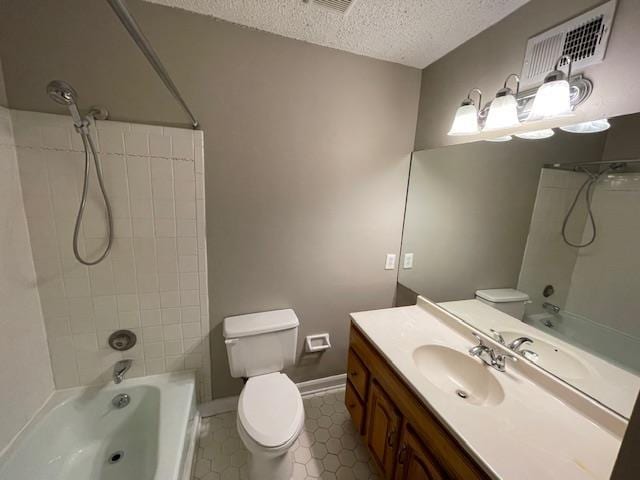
(119, 369)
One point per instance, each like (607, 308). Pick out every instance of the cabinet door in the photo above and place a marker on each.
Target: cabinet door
(382, 430)
(414, 460)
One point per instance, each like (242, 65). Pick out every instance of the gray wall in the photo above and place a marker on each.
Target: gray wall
(3, 93)
(485, 61)
(306, 151)
(469, 209)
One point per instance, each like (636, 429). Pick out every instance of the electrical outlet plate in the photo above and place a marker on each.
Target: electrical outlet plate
(390, 263)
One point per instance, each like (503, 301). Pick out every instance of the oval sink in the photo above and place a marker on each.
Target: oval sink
(458, 374)
(551, 357)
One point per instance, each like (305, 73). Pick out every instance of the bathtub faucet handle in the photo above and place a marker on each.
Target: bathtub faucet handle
(119, 369)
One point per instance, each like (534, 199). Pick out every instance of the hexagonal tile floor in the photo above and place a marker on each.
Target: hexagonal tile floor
(328, 448)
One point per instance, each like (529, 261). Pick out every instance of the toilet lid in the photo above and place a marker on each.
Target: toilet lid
(270, 409)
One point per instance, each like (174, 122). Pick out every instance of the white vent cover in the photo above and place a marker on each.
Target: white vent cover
(584, 37)
(340, 6)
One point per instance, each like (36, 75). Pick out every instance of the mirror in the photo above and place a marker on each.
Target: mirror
(484, 226)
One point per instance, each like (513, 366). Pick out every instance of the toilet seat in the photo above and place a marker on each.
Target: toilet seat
(270, 410)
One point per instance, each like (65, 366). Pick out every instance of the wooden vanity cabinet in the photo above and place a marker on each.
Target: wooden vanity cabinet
(383, 430)
(405, 440)
(414, 459)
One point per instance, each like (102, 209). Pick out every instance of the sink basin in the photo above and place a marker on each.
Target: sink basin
(458, 374)
(551, 357)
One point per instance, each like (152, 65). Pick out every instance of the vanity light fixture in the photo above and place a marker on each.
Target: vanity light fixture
(466, 120)
(594, 126)
(504, 138)
(503, 111)
(553, 98)
(536, 134)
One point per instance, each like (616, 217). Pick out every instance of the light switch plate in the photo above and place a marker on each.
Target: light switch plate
(390, 264)
(408, 260)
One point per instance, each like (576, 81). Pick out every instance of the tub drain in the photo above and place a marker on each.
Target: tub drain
(115, 457)
(461, 393)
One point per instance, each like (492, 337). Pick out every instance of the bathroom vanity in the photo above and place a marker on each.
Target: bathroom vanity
(427, 409)
(402, 434)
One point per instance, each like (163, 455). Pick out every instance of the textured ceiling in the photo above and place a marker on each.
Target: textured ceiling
(410, 32)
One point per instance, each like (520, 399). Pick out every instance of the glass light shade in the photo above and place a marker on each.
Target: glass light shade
(588, 127)
(553, 99)
(466, 121)
(536, 135)
(504, 138)
(503, 113)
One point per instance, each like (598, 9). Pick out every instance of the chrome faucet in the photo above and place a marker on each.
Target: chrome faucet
(489, 356)
(550, 307)
(514, 344)
(517, 343)
(119, 369)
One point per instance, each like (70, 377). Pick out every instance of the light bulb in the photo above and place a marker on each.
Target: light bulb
(504, 138)
(466, 121)
(536, 135)
(588, 127)
(553, 99)
(503, 113)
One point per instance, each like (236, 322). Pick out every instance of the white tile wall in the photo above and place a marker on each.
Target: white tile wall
(606, 279)
(154, 282)
(547, 259)
(599, 282)
(25, 375)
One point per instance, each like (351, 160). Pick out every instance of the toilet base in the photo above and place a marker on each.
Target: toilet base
(266, 467)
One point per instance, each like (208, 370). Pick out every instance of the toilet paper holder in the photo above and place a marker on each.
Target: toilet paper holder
(317, 343)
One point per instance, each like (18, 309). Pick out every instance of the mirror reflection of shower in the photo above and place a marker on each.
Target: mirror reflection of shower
(590, 183)
(64, 94)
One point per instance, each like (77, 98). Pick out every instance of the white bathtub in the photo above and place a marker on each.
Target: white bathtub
(78, 433)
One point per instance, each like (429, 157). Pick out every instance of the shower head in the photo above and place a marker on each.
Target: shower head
(64, 94)
(61, 92)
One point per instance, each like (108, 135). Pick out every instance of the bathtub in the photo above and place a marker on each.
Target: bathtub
(80, 435)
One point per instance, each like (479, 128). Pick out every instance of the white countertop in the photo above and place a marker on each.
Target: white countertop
(530, 435)
(613, 386)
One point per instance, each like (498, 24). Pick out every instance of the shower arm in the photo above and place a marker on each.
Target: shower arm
(130, 24)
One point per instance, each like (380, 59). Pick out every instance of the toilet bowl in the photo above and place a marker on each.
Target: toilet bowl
(270, 419)
(270, 410)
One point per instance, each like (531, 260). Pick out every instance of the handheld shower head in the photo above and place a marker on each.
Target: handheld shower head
(61, 92)
(64, 94)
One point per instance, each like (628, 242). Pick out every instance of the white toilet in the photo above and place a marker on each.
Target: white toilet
(507, 300)
(270, 410)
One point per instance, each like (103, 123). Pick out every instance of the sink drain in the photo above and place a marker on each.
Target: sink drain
(462, 393)
(115, 457)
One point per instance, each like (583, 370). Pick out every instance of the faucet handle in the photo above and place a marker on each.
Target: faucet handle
(499, 360)
(497, 336)
(478, 337)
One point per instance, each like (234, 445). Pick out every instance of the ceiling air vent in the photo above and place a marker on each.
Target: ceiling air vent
(583, 37)
(339, 6)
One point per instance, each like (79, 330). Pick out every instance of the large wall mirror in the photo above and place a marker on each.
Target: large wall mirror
(537, 244)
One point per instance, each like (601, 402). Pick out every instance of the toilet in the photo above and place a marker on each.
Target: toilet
(270, 410)
(507, 300)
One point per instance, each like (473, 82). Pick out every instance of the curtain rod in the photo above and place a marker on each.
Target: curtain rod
(121, 10)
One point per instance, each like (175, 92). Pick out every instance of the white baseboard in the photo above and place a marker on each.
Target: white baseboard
(311, 387)
(322, 384)
(218, 406)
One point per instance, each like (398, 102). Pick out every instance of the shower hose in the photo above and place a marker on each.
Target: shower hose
(90, 150)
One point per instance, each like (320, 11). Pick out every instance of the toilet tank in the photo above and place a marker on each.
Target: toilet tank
(261, 343)
(507, 300)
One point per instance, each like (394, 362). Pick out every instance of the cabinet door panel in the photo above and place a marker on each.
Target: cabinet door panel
(414, 460)
(382, 430)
